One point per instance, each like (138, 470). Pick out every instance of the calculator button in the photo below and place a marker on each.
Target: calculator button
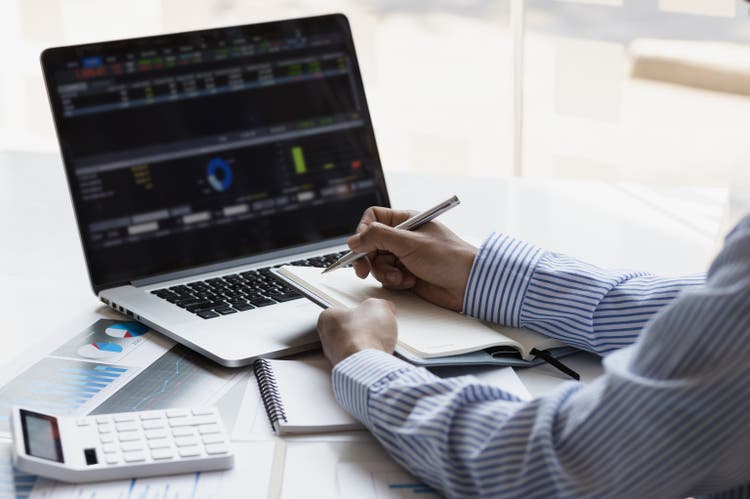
(105, 429)
(174, 423)
(150, 415)
(185, 441)
(109, 448)
(121, 427)
(201, 420)
(134, 457)
(150, 425)
(213, 439)
(152, 434)
(189, 451)
(102, 419)
(131, 446)
(209, 429)
(129, 437)
(217, 449)
(177, 413)
(124, 418)
(162, 454)
(159, 444)
(203, 412)
(106, 439)
(183, 431)
(82, 422)
(111, 459)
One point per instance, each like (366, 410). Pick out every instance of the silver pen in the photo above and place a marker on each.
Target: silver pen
(413, 223)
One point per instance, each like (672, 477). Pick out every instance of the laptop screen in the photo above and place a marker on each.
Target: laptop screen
(196, 148)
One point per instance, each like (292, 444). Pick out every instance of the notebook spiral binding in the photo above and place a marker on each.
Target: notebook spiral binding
(269, 391)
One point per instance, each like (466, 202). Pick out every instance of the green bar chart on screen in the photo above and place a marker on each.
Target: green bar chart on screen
(300, 167)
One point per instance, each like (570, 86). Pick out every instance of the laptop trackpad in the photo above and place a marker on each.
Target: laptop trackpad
(258, 332)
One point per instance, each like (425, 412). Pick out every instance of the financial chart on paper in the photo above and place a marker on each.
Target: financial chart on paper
(178, 378)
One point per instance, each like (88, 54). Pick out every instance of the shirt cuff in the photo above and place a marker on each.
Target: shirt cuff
(499, 279)
(354, 376)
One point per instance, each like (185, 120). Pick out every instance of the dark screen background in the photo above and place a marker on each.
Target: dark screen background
(286, 118)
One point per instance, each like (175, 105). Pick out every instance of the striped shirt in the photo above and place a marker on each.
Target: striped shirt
(669, 417)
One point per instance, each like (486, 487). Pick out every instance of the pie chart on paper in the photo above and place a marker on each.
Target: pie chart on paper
(99, 350)
(126, 330)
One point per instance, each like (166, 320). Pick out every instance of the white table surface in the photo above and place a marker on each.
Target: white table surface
(664, 230)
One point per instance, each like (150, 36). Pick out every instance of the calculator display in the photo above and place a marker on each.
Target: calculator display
(41, 436)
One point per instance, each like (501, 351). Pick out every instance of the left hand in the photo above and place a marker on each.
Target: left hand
(345, 332)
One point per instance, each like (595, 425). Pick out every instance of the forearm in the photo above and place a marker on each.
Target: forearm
(625, 435)
(515, 283)
(436, 428)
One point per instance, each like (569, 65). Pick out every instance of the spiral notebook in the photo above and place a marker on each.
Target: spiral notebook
(298, 396)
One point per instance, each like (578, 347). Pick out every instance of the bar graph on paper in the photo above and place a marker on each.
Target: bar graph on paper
(14, 483)
(57, 386)
(379, 480)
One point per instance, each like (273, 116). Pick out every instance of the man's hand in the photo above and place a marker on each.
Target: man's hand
(345, 332)
(432, 261)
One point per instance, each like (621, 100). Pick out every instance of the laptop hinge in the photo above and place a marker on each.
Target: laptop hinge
(215, 267)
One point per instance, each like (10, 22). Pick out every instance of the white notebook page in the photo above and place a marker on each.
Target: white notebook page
(307, 395)
(424, 329)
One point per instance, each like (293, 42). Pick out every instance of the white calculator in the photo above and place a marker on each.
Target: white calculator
(118, 446)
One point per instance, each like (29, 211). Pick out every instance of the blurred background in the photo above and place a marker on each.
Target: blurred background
(649, 91)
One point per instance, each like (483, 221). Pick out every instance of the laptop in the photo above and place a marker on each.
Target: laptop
(198, 161)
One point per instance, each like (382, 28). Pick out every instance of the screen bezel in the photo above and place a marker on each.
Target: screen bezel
(52, 57)
(23, 413)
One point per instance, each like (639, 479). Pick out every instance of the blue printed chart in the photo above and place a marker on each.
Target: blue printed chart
(100, 350)
(179, 378)
(58, 386)
(13, 483)
(379, 480)
(126, 330)
(105, 340)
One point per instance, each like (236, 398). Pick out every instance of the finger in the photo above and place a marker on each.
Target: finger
(385, 260)
(389, 275)
(378, 236)
(390, 272)
(361, 267)
(329, 318)
(408, 280)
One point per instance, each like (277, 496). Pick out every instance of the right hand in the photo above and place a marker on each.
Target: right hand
(432, 261)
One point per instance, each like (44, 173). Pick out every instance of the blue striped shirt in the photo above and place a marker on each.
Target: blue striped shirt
(669, 417)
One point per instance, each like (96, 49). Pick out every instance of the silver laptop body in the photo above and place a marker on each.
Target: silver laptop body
(197, 160)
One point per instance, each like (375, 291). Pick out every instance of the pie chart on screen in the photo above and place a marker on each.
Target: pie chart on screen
(99, 350)
(126, 330)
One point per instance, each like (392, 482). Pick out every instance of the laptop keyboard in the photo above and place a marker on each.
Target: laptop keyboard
(239, 292)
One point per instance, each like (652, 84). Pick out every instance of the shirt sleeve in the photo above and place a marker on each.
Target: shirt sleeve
(668, 418)
(517, 284)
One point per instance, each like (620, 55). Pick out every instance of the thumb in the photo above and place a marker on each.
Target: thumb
(381, 237)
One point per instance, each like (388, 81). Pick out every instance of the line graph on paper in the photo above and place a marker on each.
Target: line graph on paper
(179, 378)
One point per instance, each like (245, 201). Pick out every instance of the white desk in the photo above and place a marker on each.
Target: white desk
(667, 231)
